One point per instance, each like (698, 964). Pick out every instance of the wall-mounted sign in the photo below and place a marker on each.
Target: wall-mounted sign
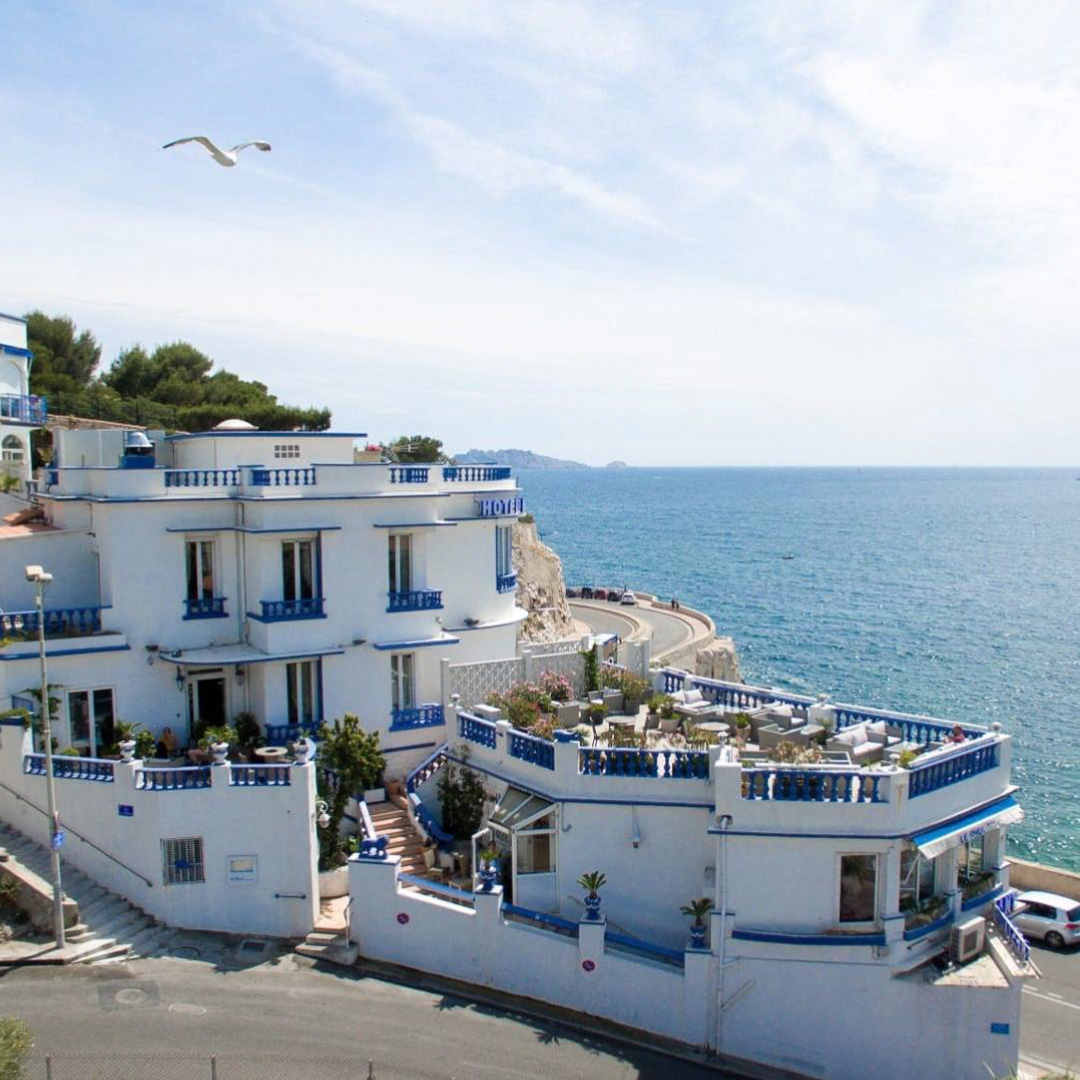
(402, 918)
(125, 811)
(511, 506)
(242, 869)
(588, 965)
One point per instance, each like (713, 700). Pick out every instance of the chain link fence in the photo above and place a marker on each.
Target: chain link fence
(220, 1067)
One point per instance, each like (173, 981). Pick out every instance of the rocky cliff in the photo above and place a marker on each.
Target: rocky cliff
(540, 589)
(718, 660)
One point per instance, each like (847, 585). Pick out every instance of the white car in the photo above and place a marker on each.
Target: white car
(629, 599)
(1055, 919)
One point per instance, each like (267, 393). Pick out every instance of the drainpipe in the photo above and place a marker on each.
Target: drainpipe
(724, 821)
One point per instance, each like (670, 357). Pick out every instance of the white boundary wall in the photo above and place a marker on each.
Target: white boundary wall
(273, 824)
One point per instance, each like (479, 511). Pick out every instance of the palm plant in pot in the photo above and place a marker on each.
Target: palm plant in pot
(592, 883)
(488, 871)
(697, 910)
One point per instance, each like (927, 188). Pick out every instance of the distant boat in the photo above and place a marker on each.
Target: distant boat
(786, 557)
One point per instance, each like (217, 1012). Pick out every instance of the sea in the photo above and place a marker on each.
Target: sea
(951, 592)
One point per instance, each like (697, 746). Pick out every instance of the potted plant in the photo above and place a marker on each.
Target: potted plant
(487, 872)
(145, 745)
(697, 910)
(124, 731)
(742, 727)
(592, 883)
(596, 712)
(634, 689)
(249, 735)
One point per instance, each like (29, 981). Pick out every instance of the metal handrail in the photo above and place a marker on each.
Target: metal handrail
(84, 839)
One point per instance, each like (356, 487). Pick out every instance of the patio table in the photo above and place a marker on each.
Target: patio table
(715, 726)
(270, 754)
(621, 721)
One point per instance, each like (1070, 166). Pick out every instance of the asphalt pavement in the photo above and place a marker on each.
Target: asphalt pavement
(669, 630)
(1050, 1020)
(284, 1018)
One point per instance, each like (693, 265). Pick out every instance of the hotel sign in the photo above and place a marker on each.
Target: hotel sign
(510, 506)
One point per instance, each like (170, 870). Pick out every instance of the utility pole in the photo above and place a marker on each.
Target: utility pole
(40, 579)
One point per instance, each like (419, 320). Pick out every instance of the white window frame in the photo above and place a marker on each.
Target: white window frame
(89, 691)
(504, 550)
(864, 923)
(298, 544)
(201, 556)
(302, 687)
(402, 681)
(917, 871)
(401, 549)
(12, 449)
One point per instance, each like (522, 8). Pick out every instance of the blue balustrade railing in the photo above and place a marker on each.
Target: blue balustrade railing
(24, 408)
(299, 476)
(1010, 932)
(204, 607)
(475, 474)
(202, 478)
(280, 734)
(427, 822)
(661, 764)
(476, 730)
(673, 681)
(953, 769)
(60, 622)
(646, 949)
(415, 600)
(447, 892)
(915, 729)
(260, 775)
(425, 770)
(737, 696)
(408, 474)
(183, 778)
(308, 607)
(69, 767)
(421, 716)
(506, 582)
(532, 749)
(813, 785)
(543, 919)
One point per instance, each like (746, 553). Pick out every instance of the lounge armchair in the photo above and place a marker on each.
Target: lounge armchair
(694, 705)
(863, 742)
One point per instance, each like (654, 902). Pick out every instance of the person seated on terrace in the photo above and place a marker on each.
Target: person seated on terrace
(957, 735)
(167, 745)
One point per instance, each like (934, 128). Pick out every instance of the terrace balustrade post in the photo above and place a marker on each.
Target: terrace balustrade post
(993, 856)
(486, 927)
(502, 740)
(567, 756)
(698, 1000)
(890, 910)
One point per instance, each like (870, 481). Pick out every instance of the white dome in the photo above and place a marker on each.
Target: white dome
(235, 425)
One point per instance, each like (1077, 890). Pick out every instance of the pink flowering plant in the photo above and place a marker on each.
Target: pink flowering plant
(557, 687)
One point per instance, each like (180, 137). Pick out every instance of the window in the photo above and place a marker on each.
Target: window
(858, 888)
(302, 691)
(182, 861)
(11, 449)
(298, 569)
(286, 450)
(90, 719)
(200, 569)
(402, 683)
(503, 550)
(970, 860)
(536, 847)
(916, 879)
(401, 563)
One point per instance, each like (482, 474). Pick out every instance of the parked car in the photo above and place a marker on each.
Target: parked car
(1055, 919)
(599, 594)
(572, 593)
(586, 592)
(629, 599)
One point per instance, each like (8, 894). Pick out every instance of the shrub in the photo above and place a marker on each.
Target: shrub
(523, 714)
(557, 687)
(16, 1041)
(220, 734)
(592, 669)
(248, 732)
(462, 797)
(145, 745)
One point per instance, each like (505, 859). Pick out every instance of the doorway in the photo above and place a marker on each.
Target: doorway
(207, 706)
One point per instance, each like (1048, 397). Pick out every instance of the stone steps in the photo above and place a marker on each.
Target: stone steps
(109, 927)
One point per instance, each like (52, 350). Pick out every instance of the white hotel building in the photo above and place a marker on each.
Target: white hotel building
(199, 576)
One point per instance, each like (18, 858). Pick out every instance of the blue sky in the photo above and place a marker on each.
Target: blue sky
(680, 233)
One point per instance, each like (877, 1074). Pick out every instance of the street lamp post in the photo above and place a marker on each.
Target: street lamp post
(40, 579)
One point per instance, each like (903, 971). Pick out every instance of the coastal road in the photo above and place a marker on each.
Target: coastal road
(1050, 1027)
(284, 1020)
(669, 629)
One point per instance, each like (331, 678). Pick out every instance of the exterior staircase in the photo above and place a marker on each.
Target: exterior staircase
(109, 927)
(330, 938)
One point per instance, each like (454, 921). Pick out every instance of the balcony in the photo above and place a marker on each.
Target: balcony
(201, 478)
(310, 607)
(408, 474)
(416, 600)
(24, 409)
(295, 477)
(59, 623)
(506, 582)
(205, 607)
(422, 716)
(475, 474)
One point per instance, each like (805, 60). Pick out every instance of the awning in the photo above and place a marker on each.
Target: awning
(518, 808)
(227, 655)
(933, 842)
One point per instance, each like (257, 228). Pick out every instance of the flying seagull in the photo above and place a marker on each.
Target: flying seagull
(222, 157)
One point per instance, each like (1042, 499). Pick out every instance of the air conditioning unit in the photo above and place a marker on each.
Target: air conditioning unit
(966, 940)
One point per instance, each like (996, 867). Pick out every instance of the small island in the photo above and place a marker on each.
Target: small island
(617, 465)
(516, 459)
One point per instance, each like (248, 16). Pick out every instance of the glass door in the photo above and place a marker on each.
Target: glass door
(206, 702)
(91, 717)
